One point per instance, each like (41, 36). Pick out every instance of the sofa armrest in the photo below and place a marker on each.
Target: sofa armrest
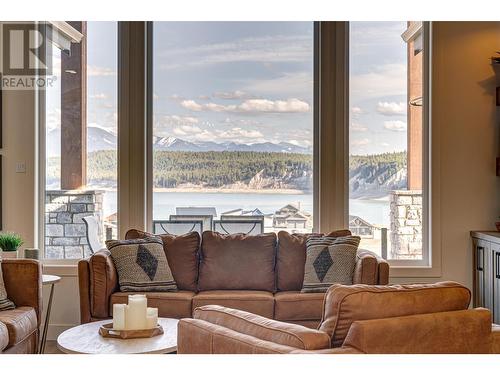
(370, 269)
(103, 283)
(23, 283)
(253, 325)
(196, 336)
(495, 339)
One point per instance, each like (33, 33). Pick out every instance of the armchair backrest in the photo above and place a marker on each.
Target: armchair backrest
(23, 283)
(450, 332)
(345, 304)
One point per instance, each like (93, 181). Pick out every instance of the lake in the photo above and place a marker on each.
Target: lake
(164, 203)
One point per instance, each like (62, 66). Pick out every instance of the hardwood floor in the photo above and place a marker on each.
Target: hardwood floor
(51, 347)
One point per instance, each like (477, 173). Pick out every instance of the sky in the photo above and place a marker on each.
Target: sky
(250, 82)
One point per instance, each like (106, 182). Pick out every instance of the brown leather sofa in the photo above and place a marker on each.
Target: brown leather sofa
(260, 274)
(397, 319)
(19, 328)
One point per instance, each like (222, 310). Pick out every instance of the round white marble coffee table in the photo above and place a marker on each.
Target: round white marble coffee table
(85, 339)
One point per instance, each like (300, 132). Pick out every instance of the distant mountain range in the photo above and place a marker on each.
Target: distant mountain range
(99, 139)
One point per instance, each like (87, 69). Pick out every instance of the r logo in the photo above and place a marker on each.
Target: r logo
(24, 51)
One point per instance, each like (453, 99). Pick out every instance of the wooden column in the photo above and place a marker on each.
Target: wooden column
(414, 116)
(74, 113)
(333, 132)
(132, 110)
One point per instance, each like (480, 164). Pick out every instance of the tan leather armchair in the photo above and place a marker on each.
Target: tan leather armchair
(420, 318)
(19, 328)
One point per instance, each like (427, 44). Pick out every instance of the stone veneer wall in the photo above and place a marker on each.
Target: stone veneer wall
(65, 231)
(406, 224)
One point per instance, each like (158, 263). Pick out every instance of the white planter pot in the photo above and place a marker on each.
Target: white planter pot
(8, 254)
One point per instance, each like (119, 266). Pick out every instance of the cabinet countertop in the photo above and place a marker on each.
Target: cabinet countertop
(486, 235)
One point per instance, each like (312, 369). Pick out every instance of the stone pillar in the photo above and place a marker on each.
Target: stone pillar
(406, 224)
(65, 231)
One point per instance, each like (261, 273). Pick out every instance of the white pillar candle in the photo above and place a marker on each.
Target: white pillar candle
(119, 316)
(152, 317)
(136, 312)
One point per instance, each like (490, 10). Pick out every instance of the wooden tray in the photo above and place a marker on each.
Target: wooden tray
(106, 330)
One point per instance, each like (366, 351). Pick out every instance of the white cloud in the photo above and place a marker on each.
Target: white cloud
(176, 98)
(358, 127)
(187, 129)
(251, 106)
(356, 110)
(391, 108)
(179, 120)
(384, 144)
(265, 49)
(100, 71)
(100, 96)
(395, 126)
(360, 142)
(191, 105)
(236, 133)
(238, 94)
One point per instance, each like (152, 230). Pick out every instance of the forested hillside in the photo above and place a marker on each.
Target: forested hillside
(370, 176)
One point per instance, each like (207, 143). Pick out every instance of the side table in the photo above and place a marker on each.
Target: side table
(51, 280)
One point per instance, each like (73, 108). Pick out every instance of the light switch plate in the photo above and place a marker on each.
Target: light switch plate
(21, 167)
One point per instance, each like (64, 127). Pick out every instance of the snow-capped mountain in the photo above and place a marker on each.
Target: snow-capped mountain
(102, 139)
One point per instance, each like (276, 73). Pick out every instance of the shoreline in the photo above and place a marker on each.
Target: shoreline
(204, 190)
(230, 191)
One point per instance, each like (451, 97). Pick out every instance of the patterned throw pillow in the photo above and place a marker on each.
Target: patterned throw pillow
(330, 260)
(5, 303)
(141, 265)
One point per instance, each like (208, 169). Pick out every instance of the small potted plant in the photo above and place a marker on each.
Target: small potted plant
(10, 243)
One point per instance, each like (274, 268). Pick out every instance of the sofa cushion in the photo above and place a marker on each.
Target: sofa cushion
(182, 255)
(4, 336)
(329, 260)
(237, 261)
(20, 322)
(297, 306)
(345, 304)
(291, 258)
(257, 302)
(141, 265)
(170, 304)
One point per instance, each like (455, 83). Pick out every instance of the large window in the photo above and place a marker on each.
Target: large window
(387, 133)
(81, 143)
(233, 126)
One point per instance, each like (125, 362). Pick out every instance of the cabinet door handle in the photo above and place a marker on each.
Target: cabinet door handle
(480, 258)
(497, 265)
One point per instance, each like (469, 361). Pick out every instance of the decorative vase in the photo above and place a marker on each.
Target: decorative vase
(11, 254)
(497, 224)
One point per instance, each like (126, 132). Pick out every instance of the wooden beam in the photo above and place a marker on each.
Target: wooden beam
(333, 126)
(132, 173)
(74, 113)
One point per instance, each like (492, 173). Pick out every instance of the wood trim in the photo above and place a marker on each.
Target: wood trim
(131, 126)
(333, 125)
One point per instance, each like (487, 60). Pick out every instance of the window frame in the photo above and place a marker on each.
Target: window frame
(317, 164)
(430, 263)
(40, 161)
(331, 209)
